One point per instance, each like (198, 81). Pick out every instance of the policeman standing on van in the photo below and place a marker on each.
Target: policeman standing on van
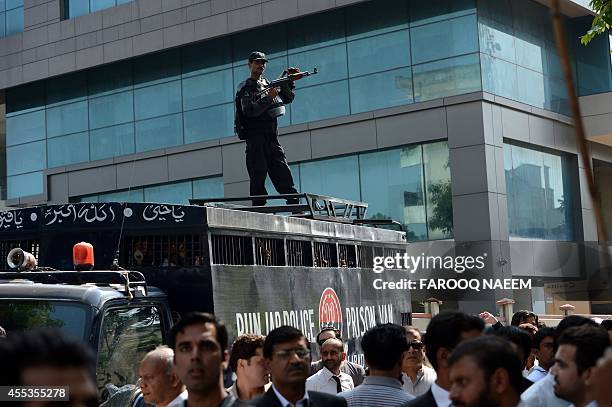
(256, 122)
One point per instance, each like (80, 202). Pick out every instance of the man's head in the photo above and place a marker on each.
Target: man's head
(519, 339)
(200, 351)
(416, 350)
(247, 361)
(48, 357)
(524, 317)
(332, 354)
(445, 331)
(383, 348)
(484, 372)
(543, 344)
(287, 354)
(2, 333)
(578, 351)
(158, 382)
(257, 62)
(327, 333)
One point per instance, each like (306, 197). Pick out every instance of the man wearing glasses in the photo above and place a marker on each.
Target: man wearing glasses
(416, 377)
(356, 371)
(287, 355)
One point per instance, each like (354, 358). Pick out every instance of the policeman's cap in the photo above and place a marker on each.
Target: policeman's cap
(257, 55)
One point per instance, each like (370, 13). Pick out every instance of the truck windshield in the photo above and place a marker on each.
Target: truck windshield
(19, 315)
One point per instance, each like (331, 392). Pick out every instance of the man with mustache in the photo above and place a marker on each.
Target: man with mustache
(200, 355)
(416, 377)
(287, 354)
(330, 379)
(485, 372)
(256, 122)
(356, 371)
(579, 349)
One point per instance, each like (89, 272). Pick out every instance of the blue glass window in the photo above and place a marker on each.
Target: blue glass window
(499, 77)
(112, 141)
(210, 123)
(531, 87)
(176, 193)
(330, 60)
(497, 40)
(76, 8)
(374, 54)
(208, 89)
(25, 185)
(157, 100)
(463, 31)
(14, 21)
(530, 54)
(109, 79)
(66, 119)
(320, 102)
(375, 17)
(425, 12)
(25, 128)
(26, 158)
(439, 202)
(161, 132)
(2, 23)
(110, 110)
(96, 5)
(392, 183)
(67, 88)
(271, 40)
(133, 195)
(385, 89)
(540, 191)
(335, 177)
(25, 97)
(447, 77)
(157, 68)
(208, 187)
(67, 150)
(315, 31)
(207, 57)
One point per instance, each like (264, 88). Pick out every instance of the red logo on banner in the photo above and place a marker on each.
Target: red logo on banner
(330, 311)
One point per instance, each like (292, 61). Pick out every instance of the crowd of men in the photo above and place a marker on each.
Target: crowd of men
(461, 360)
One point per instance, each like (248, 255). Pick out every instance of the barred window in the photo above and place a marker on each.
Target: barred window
(269, 252)
(232, 249)
(299, 253)
(346, 256)
(325, 255)
(366, 256)
(163, 251)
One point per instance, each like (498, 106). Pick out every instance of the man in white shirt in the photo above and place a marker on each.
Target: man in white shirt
(579, 349)
(159, 384)
(444, 332)
(543, 344)
(416, 377)
(330, 379)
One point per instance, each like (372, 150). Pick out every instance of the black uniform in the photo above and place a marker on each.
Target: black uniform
(264, 154)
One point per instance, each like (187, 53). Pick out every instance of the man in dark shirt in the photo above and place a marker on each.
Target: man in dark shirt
(257, 124)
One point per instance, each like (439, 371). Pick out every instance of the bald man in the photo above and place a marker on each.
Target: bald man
(330, 379)
(159, 384)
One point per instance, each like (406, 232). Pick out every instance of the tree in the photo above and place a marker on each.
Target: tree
(602, 21)
(442, 202)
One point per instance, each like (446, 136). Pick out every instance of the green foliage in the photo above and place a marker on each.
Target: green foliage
(441, 199)
(602, 21)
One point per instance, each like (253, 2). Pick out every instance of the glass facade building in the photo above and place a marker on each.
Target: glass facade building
(371, 56)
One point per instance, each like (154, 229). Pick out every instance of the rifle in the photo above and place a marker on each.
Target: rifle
(285, 80)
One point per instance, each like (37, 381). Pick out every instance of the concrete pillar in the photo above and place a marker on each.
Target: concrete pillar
(432, 306)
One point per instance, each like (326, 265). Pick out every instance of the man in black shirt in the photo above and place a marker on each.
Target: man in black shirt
(256, 122)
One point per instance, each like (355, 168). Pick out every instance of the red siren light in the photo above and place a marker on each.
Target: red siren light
(83, 256)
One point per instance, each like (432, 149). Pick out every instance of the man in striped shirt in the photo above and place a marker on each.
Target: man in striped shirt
(384, 347)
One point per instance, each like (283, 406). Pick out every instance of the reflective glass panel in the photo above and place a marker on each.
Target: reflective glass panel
(157, 68)
(320, 102)
(385, 89)
(497, 39)
(335, 177)
(157, 100)
(531, 87)
(67, 150)
(66, 119)
(96, 5)
(439, 200)
(375, 17)
(26, 158)
(208, 188)
(25, 185)
(26, 127)
(112, 141)
(424, 12)
(330, 60)
(67, 88)
(133, 195)
(316, 31)
(463, 31)
(392, 185)
(447, 77)
(271, 40)
(208, 89)
(110, 79)
(161, 132)
(177, 193)
(208, 56)
(210, 123)
(379, 53)
(112, 109)
(499, 77)
(77, 8)
(14, 21)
